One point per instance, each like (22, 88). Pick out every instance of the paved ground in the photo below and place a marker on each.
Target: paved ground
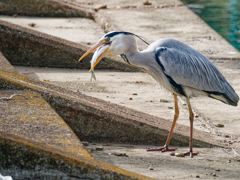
(116, 87)
(134, 158)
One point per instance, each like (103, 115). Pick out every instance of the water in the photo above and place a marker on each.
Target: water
(222, 15)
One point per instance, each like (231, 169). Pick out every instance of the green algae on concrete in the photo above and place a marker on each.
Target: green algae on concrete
(97, 120)
(47, 8)
(26, 159)
(26, 47)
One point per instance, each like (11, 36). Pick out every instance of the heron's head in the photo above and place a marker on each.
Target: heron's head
(111, 44)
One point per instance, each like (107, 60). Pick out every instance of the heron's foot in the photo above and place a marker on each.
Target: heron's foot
(162, 149)
(191, 154)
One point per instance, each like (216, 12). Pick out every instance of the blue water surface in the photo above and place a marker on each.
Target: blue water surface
(222, 15)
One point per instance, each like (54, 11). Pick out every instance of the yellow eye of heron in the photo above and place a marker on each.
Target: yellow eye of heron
(108, 39)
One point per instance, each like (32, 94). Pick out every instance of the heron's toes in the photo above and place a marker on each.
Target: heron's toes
(191, 154)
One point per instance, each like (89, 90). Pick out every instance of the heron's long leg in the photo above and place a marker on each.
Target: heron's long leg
(165, 147)
(176, 115)
(191, 118)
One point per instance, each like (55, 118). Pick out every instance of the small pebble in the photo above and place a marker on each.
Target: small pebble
(147, 3)
(196, 116)
(197, 176)
(227, 136)
(170, 107)
(15, 15)
(134, 94)
(100, 7)
(217, 169)
(85, 143)
(32, 24)
(163, 100)
(214, 174)
(151, 168)
(130, 98)
(92, 149)
(179, 155)
(99, 148)
(219, 125)
(229, 161)
(121, 154)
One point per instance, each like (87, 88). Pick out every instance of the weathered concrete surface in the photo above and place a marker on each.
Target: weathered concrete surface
(98, 120)
(34, 119)
(79, 30)
(4, 64)
(26, 159)
(50, 8)
(22, 46)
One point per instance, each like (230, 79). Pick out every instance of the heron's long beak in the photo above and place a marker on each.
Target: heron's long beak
(94, 47)
(90, 50)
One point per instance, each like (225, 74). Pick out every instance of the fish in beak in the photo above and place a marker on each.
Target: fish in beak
(97, 56)
(102, 49)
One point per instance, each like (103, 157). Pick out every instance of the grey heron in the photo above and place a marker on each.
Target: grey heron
(176, 66)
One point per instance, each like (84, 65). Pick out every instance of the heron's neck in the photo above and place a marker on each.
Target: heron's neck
(130, 50)
(135, 58)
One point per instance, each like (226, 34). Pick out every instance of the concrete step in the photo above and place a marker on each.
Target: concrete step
(94, 119)
(35, 138)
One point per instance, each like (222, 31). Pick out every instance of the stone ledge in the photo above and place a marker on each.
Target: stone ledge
(26, 47)
(97, 120)
(29, 159)
(31, 117)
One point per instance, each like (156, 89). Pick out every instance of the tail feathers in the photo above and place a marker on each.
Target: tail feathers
(233, 100)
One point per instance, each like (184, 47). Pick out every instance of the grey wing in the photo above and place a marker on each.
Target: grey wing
(191, 69)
